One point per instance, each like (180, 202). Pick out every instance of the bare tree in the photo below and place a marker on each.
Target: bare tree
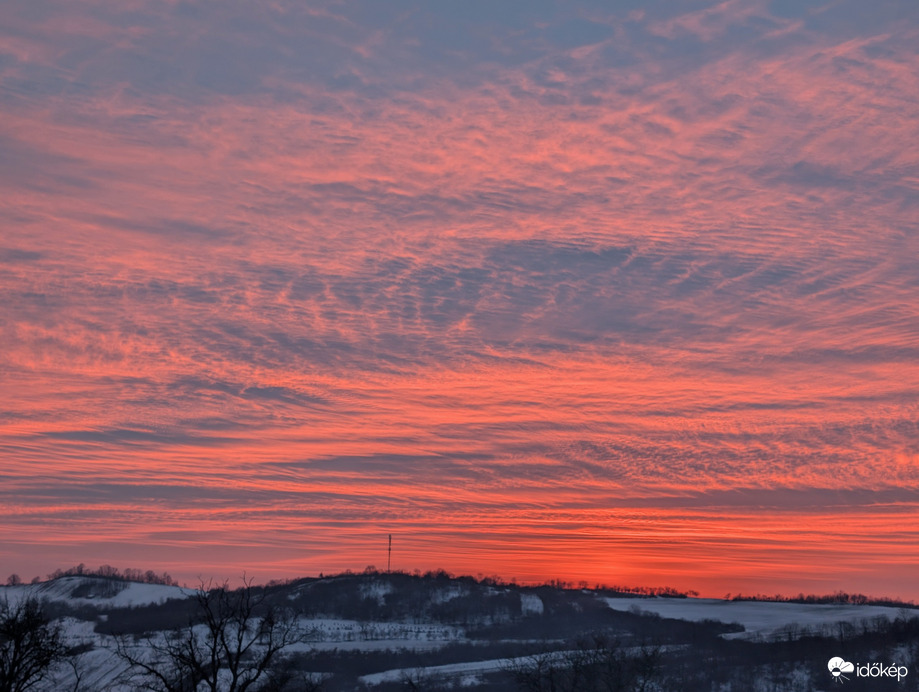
(421, 680)
(234, 643)
(30, 645)
(542, 672)
(598, 664)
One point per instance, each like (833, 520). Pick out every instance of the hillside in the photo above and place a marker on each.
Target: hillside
(387, 631)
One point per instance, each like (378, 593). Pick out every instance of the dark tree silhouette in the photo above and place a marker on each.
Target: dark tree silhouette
(234, 643)
(598, 664)
(30, 645)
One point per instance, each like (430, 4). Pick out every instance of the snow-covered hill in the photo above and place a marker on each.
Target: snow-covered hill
(381, 631)
(96, 591)
(758, 618)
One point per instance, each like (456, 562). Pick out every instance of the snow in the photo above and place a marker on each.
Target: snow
(376, 590)
(449, 670)
(468, 669)
(128, 593)
(146, 594)
(100, 669)
(445, 595)
(13, 594)
(759, 618)
(372, 645)
(330, 633)
(530, 604)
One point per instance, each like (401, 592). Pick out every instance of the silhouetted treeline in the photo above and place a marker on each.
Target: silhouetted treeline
(109, 572)
(443, 576)
(838, 598)
(650, 591)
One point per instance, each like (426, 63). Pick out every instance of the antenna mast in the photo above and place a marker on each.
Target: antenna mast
(389, 556)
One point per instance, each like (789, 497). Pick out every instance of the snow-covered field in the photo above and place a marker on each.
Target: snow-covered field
(759, 618)
(451, 670)
(469, 670)
(332, 633)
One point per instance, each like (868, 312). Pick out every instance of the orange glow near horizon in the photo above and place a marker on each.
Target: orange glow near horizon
(641, 310)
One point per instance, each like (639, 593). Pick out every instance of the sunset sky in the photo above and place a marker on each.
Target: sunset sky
(623, 291)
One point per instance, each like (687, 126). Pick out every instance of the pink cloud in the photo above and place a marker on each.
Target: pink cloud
(499, 310)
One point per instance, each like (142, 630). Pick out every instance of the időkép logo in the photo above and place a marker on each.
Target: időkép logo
(838, 668)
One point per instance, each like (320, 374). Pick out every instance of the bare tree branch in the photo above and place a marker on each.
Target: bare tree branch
(30, 645)
(230, 645)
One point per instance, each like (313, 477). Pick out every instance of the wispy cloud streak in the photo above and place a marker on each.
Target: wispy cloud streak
(626, 295)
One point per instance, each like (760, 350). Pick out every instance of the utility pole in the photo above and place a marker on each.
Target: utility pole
(389, 556)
